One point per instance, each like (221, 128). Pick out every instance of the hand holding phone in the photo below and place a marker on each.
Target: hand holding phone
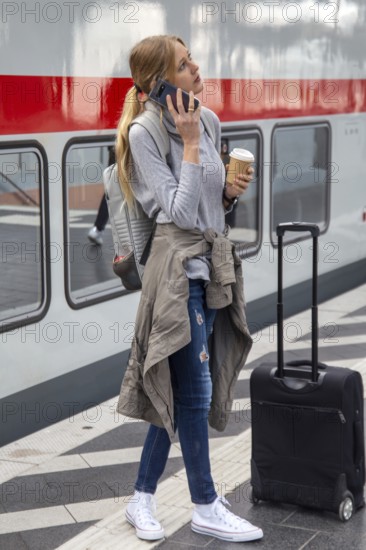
(163, 88)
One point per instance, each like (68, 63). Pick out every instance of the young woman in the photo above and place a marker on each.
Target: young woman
(191, 337)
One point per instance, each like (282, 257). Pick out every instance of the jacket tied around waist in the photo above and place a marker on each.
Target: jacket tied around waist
(162, 325)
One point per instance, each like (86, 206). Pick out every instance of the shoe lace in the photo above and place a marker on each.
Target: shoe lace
(228, 517)
(146, 508)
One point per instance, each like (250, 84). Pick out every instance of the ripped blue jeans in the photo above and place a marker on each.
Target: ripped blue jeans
(192, 390)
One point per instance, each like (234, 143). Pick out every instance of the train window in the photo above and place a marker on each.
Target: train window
(244, 219)
(300, 179)
(22, 213)
(88, 262)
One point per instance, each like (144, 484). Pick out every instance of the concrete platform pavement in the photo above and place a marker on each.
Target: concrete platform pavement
(67, 487)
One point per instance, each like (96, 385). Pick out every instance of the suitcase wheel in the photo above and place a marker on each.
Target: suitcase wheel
(253, 497)
(346, 507)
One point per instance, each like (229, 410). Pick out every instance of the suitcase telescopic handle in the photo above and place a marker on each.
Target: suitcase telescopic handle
(297, 227)
(281, 229)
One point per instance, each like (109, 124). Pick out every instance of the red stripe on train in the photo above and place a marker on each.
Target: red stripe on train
(32, 104)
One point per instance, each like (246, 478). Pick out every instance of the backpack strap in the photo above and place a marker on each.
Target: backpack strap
(208, 124)
(151, 122)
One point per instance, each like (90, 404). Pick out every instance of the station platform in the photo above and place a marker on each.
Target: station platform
(66, 487)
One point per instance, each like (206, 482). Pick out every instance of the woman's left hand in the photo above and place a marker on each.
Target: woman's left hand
(240, 184)
(186, 122)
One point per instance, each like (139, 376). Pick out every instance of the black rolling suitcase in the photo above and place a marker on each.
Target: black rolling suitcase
(307, 422)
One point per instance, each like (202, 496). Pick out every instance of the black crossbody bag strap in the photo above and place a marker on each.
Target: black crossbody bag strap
(146, 252)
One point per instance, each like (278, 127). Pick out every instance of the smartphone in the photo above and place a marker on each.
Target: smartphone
(163, 88)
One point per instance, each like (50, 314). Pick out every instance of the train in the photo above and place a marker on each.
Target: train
(288, 82)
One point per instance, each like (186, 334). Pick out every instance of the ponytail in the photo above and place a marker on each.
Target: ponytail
(151, 57)
(131, 108)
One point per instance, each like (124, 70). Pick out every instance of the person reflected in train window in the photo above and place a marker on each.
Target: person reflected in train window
(95, 233)
(225, 157)
(224, 152)
(191, 336)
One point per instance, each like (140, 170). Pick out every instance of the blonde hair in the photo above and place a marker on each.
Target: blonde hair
(151, 58)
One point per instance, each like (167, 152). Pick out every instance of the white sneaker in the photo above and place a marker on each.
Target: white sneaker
(139, 514)
(216, 520)
(95, 236)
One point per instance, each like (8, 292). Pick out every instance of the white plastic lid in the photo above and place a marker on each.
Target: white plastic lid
(242, 154)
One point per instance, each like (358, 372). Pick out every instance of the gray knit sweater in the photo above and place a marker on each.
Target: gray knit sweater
(187, 194)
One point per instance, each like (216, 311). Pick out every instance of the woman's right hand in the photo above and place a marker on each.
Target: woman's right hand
(187, 123)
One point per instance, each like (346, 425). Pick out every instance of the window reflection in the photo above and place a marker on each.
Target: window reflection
(244, 219)
(89, 259)
(22, 261)
(300, 185)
